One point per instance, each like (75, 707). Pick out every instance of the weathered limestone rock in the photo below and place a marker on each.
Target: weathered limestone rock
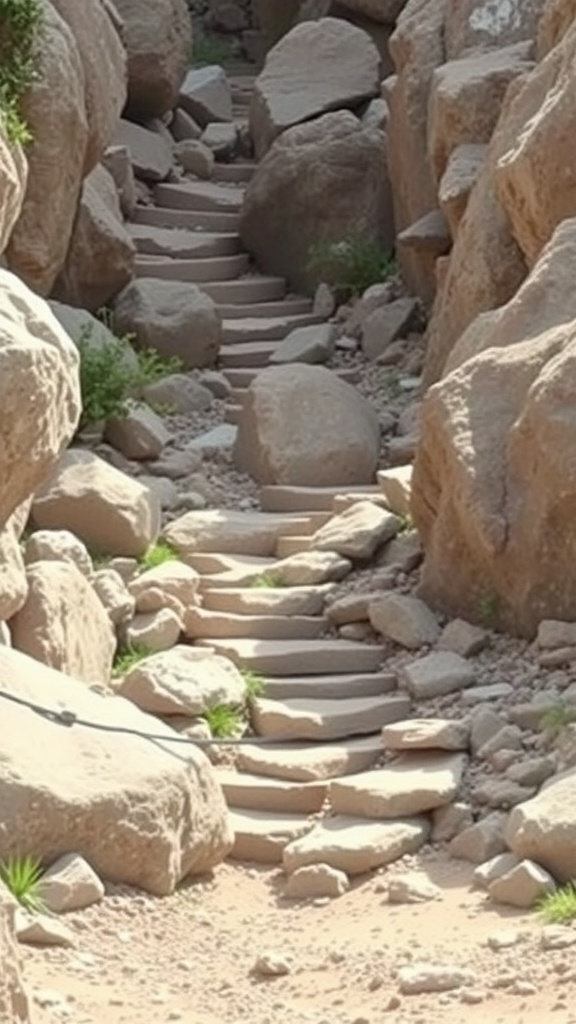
(105, 508)
(355, 845)
(206, 95)
(314, 344)
(303, 425)
(155, 631)
(58, 546)
(413, 783)
(195, 157)
(179, 393)
(436, 674)
(173, 317)
(357, 532)
(522, 886)
(183, 681)
(70, 884)
(417, 978)
(542, 829)
(112, 592)
(140, 434)
(481, 841)
(150, 154)
(36, 358)
(426, 734)
(157, 821)
(116, 160)
(173, 579)
(13, 179)
(414, 887)
(13, 582)
(406, 620)
(86, 330)
(458, 181)
(385, 324)
(157, 38)
(100, 258)
(484, 25)
(556, 19)
(14, 1007)
(63, 624)
(319, 66)
(316, 880)
(320, 182)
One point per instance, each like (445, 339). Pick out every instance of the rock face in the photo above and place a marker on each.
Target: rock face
(158, 820)
(303, 425)
(494, 480)
(158, 39)
(319, 66)
(100, 257)
(320, 182)
(14, 1008)
(543, 829)
(484, 24)
(63, 624)
(38, 358)
(13, 178)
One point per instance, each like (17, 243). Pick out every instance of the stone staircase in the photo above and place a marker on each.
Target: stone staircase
(325, 699)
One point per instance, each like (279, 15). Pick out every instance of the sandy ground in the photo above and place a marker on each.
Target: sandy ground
(191, 957)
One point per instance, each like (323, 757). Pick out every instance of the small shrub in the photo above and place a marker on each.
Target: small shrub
(266, 581)
(224, 722)
(559, 907)
(557, 718)
(489, 611)
(351, 265)
(22, 876)
(22, 22)
(158, 554)
(127, 657)
(255, 683)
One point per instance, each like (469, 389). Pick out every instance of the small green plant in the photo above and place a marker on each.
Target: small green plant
(266, 581)
(557, 718)
(208, 48)
(127, 657)
(351, 265)
(406, 522)
(158, 554)
(22, 877)
(255, 683)
(489, 611)
(22, 22)
(224, 722)
(559, 907)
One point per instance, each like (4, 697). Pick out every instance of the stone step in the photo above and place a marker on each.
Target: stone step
(261, 837)
(253, 329)
(180, 243)
(293, 657)
(287, 545)
(232, 413)
(312, 719)
(192, 220)
(290, 306)
(343, 501)
(249, 355)
(249, 289)
(355, 845)
(196, 271)
(218, 571)
(243, 377)
(233, 172)
(415, 783)
(261, 793)
(330, 687)
(308, 762)
(200, 195)
(268, 600)
(221, 531)
(280, 498)
(201, 624)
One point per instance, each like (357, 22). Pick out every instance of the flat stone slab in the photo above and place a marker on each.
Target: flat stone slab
(355, 845)
(306, 762)
(202, 624)
(294, 657)
(284, 498)
(331, 687)
(436, 675)
(324, 719)
(181, 243)
(261, 837)
(413, 784)
(426, 734)
(260, 793)
(268, 600)
(396, 486)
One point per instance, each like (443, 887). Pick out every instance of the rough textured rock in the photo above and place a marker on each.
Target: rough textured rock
(458, 181)
(484, 24)
(436, 674)
(355, 845)
(36, 357)
(426, 734)
(105, 508)
(556, 19)
(543, 829)
(303, 425)
(86, 330)
(140, 434)
(157, 37)
(100, 258)
(63, 624)
(173, 317)
(150, 154)
(411, 784)
(319, 66)
(183, 681)
(357, 532)
(13, 179)
(320, 182)
(13, 583)
(206, 95)
(316, 880)
(406, 620)
(157, 821)
(70, 884)
(14, 1007)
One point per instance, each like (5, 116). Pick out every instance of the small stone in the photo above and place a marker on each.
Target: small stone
(524, 988)
(70, 884)
(415, 887)
(522, 886)
(501, 793)
(494, 868)
(436, 675)
(532, 772)
(41, 930)
(449, 821)
(472, 996)
(505, 939)
(426, 734)
(557, 936)
(483, 694)
(507, 738)
(316, 880)
(272, 965)
(553, 633)
(324, 301)
(463, 638)
(406, 620)
(481, 841)
(485, 724)
(417, 978)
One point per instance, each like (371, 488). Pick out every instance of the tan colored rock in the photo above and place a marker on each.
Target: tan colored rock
(484, 25)
(522, 886)
(417, 978)
(467, 97)
(426, 734)
(225, 531)
(63, 624)
(37, 929)
(303, 425)
(316, 880)
(413, 783)
(112, 591)
(58, 546)
(319, 66)
(355, 845)
(36, 358)
(542, 829)
(109, 511)
(481, 841)
(463, 638)
(158, 41)
(14, 1006)
(385, 325)
(13, 582)
(158, 820)
(155, 630)
(150, 154)
(116, 160)
(322, 181)
(557, 17)
(183, 681)
(55, 110)
(406, 620)
(172, 578)
(414, 887)
(358, 532)
(174, 317)
(195, 157)
(100, 258)
(436, 675)
(206, 95)
(70, 884)
(13, 180)
(458, 181)
(140, 434)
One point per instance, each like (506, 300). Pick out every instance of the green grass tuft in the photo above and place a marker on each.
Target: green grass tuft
(22, 23)
(158, 554)
(559, 907)
(557, 718)
(224, 722)
(266, 581)
(255, 683)
(22, 877)
(351, 265)
(127, 657)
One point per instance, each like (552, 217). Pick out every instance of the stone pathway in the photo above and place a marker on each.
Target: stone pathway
(325, 699)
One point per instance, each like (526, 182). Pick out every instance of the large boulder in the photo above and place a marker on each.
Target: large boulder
(136, 812)
(494, 482)
(63, 623)
(55, 111)
(319, 66)
(13, 178)
(39, 392)
(158, 40)
(104, 63)
(556, 19)
(303, 425)
(100, 258)
(112, 513)
(484, 25)
(173, 317)
(320, 182)
(14, 1006)
(13, 582)
(544, 828)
